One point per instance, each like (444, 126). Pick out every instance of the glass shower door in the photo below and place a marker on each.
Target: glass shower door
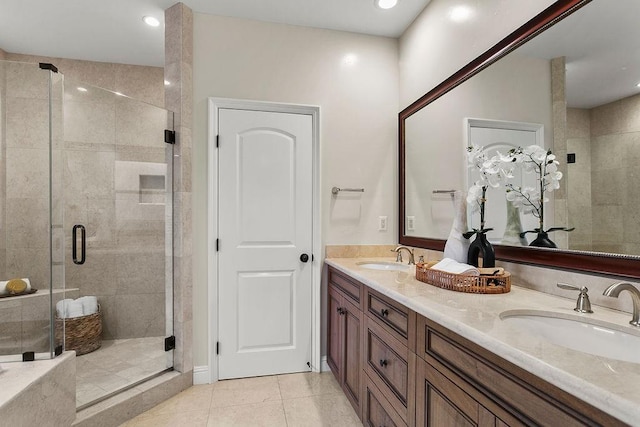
(30, 280)
(118, 206)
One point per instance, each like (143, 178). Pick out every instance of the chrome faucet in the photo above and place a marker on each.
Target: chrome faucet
(615, 289)
(399, 256)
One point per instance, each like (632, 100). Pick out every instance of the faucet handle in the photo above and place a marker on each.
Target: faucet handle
(583, 305)
(398, 255)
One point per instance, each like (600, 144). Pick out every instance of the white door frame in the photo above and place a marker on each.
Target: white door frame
(214, 105)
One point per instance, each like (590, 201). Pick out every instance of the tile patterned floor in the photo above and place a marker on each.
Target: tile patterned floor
(117, 364)
(306, 399)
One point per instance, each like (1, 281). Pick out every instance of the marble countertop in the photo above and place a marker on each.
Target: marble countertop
(610, 385)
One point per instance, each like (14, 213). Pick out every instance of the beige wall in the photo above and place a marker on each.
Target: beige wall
(358, 102)
(434, 47)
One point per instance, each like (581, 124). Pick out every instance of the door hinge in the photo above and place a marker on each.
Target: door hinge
(309, 365)
(28, 356)
(170, 136)
(169, 343)
(217, 141)
(217, 347)
(217, 245)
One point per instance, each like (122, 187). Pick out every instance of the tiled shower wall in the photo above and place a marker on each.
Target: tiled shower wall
(108, 143)
(606, 141)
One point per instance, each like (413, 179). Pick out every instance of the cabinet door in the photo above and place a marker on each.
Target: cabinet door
(334, 333)
(440, 402)
(352, 342)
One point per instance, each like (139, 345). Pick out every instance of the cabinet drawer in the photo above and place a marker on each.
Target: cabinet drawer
(391, 367)
(377, 409)
(394, 317)
(526, 396)
(351, 288)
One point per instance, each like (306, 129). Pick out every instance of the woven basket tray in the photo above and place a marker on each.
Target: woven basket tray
(462, 283)
(82, 334)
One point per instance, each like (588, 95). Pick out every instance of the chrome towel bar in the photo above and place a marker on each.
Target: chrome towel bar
(336, 190)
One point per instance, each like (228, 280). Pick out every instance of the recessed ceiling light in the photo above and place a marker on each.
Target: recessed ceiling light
(638, 85)
(460, 13)
(151, 21)
(82, 89)
(167, 82)
(385, 4)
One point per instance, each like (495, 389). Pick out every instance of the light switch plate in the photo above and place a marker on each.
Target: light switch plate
(411, 223)
(382, 223)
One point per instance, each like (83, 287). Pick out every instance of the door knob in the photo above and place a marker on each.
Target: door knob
(304, 257)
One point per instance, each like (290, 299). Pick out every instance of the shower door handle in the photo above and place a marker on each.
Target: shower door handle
(74, 245)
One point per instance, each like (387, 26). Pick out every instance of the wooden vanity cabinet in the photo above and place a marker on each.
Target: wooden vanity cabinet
(401, 369)
(345, 335)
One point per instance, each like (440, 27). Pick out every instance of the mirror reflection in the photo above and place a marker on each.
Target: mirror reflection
(573, 90)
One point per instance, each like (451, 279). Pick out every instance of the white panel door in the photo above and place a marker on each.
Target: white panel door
(265, 225)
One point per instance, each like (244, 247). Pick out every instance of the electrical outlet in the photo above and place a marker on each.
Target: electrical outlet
(382, 223)
(411, 223)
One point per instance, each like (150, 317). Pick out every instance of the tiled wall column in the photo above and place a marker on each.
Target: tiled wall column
(178, 98)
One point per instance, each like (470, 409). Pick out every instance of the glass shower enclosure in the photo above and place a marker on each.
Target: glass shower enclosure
(86, 207)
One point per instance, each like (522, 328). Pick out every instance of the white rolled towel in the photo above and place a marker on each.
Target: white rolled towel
(89, 304)
(3, 286)
(451, 266)
(61, 308)
(74, 309)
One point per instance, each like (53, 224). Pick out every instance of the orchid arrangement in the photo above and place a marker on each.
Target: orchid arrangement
(492, 173)
(542, 162)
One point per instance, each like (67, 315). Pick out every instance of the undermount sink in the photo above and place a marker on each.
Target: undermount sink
(578, 333)
(383, 265)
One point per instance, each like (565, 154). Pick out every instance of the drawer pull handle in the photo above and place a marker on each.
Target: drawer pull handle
(384, 312)
(383, 362)
(340, 310)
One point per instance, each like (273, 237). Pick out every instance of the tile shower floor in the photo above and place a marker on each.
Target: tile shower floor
(306, 399)
(117, 364)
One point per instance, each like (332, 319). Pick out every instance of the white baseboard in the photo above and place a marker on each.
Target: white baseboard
(201, 375)
(324, 366)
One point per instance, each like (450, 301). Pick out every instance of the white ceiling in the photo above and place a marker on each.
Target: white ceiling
(113, 31)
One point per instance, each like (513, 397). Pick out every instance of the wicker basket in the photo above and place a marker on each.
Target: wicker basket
(462, 283)
(82, 334)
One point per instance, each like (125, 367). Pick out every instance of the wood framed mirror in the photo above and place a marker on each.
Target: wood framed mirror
(617, 260)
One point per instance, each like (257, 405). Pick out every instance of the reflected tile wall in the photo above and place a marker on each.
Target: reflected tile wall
(579, 179)
(615, 148)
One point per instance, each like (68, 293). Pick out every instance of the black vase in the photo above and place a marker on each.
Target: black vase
(543, 241)
(481, 246)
